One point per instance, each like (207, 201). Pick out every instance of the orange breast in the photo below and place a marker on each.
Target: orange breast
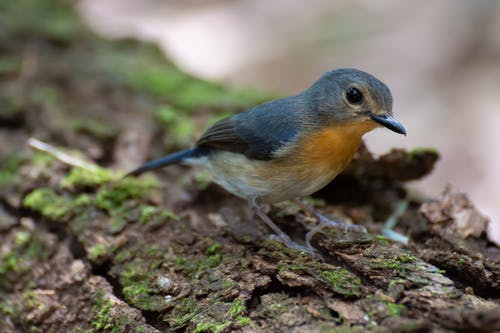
(311, 164)
(333, 147)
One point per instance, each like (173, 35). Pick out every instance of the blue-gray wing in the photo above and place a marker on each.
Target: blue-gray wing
(256, 133)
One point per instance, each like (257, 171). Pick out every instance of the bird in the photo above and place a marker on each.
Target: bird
(291, 147)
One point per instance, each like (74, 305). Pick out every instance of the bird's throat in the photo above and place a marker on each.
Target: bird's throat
(334, 147)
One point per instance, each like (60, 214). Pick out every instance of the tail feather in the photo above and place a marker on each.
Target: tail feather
(166, 161)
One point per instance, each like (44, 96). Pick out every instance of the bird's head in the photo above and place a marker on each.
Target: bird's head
(346, 96)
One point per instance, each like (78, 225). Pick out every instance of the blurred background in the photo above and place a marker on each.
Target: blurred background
(441, 59)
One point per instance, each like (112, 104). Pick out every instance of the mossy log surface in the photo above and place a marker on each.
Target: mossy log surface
(84, 250)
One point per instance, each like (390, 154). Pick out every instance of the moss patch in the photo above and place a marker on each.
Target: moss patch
(342, 281)
(137, 282)
(399, 262)
(417, 152)
(395, 310)
(9, 170)
(18, 257)
(214, 317)
(115, 195)
(48, 203)
(102, 319)
(96, 128)
(152, 213)
(98, 251)
(180, 125)
(54, 22)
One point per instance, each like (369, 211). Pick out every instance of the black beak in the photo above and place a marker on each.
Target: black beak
(390, 122)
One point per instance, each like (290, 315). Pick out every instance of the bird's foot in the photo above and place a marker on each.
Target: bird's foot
(326, 222)
(391, 222)
(281, 236)
(288, 242)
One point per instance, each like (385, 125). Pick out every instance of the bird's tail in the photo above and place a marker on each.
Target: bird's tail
(167, 160)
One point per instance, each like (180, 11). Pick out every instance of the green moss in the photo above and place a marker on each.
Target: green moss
(133, 273)
(96, 128)
(211, 327)
(119, 216)
(211, 261)
(417, 152)
(190, 311)
(196, 266)
(395, 282)
(112, 195)
(345, 329)
(395, 310)
(30, 299)
(237, 310)
(384, 241)
(228, 284)
(138, 292)
(180, 126)
(21, 238)
(400, 262)
(42, 159)
(213, 249)
(392, 263)
(52, 205)
(22, 250)
(238, 307)
(48, 203)
(124, 255)
(184, 312)
(47, 95)
(35, 248)
(54, 20)
(9, 170)
(244, 321)
(342, 281)
(96, 252)
(157, 79)
(102, 318)
(9, 65)
(10, 261)
(185, 91)
(198, 93)
(149, 213)
(275, 305)
(407, 258)
(113, 188)
(7, 306)
(80, 177)
(202, 179)
(138, 288)
(10, 110)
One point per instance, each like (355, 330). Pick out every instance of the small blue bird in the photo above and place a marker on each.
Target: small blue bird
(291, 147)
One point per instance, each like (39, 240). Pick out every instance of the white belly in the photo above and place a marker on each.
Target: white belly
(259, 179)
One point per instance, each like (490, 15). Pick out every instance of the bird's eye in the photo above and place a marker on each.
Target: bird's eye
(353, 95)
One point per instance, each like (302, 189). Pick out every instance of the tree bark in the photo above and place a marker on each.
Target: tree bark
(83, 249)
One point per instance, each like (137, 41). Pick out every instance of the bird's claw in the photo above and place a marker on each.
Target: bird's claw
(288, 242)
(325, 222)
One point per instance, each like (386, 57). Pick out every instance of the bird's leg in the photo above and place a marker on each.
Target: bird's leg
(325, 222)
(280, 234)
(391, 222)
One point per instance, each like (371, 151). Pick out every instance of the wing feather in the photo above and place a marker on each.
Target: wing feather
(257, 133)
(222, 135)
